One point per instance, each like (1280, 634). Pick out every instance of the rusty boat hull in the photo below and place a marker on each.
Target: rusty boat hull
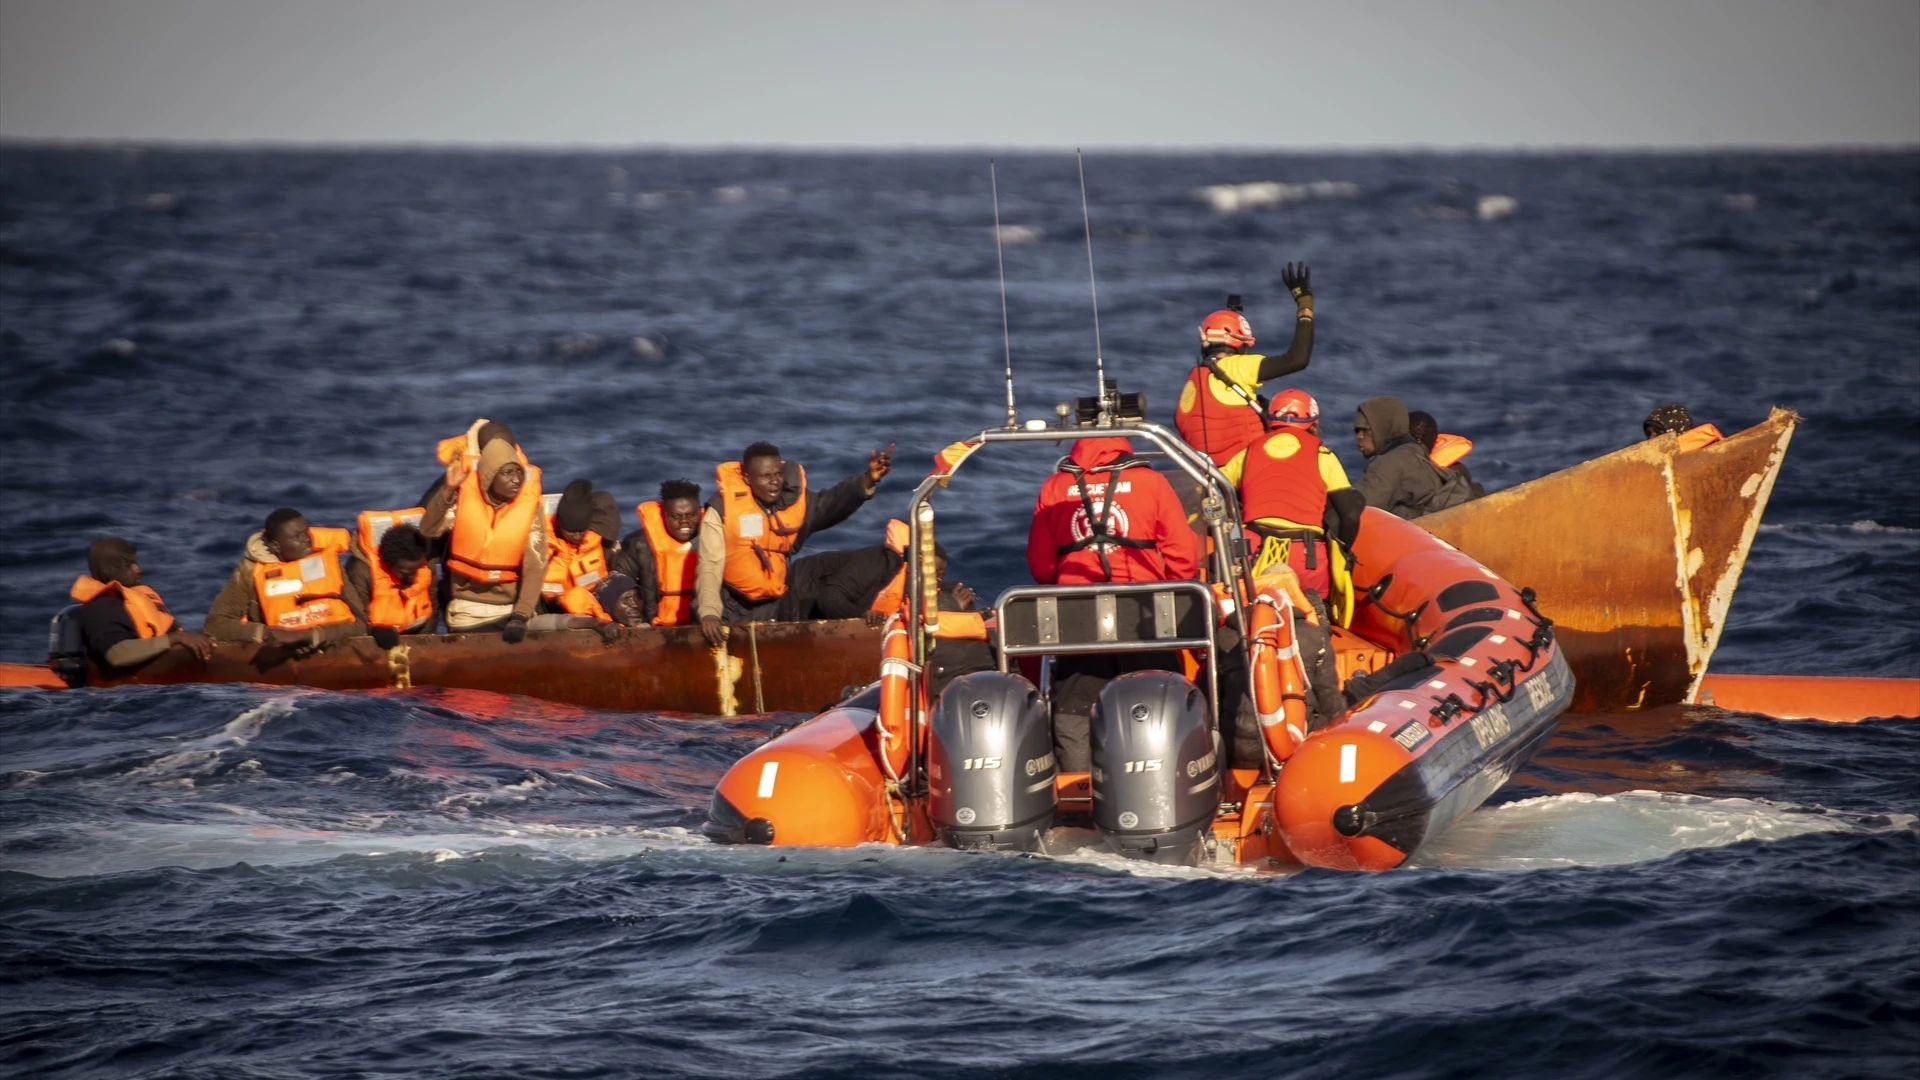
(766, 667)
(1634, 555)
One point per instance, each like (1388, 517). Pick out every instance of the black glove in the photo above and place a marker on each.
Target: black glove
(515, 630)
(609, 632)
(1294, 277)
(384, 636)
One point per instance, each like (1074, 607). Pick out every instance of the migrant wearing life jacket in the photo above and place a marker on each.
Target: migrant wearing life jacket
(573, 573)
(404, 606)
(489, 541)
(1284, 482)
(1697, 437)
(307, 592)
(676, 565)
(145, 609)
(760, 542)
(894, 592)
(1107, 516)
(1449, 449)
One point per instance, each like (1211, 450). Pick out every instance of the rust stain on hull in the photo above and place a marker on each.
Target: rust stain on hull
(799, 667)
(1634, 555)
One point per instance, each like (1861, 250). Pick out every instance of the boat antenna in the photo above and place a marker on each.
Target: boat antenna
(1000, 257)
(1099, 362)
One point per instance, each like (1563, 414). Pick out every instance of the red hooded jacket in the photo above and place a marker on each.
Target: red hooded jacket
(1151, 540)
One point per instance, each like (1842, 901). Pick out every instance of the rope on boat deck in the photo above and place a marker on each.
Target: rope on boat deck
(753, 655)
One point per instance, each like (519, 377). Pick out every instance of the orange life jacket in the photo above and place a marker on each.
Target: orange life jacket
(1211, 426)
(489, 541)
(1448, 449)
(403, 606)
(888, 601)
(149, 615)
(305, 593)
(1695, 438)
(461, 448)
(574, 572)
(1281, 480)
(759, 542)
(675, 563)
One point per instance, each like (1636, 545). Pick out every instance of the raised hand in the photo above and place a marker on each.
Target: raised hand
(1296, 278)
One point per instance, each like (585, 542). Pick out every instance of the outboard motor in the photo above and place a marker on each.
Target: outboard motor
(66, 648)
(1156, 767)
(990, 763)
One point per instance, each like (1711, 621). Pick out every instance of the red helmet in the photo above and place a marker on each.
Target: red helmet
(1291, 406)
(1226, 327)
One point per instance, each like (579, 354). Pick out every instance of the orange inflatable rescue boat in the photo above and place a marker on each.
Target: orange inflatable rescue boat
(1464, 681)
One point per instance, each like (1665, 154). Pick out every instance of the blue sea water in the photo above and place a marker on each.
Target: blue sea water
(240, 881)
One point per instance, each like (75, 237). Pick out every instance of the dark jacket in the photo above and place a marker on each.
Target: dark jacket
(838, 584)
(235, 613)
(1400, 479)
(634, 558)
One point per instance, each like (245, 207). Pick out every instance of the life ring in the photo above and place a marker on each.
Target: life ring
(896, 671)
(1279, 673)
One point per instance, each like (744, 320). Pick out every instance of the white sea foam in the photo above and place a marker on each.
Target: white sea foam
(1581, 829)
(1864, 528)
(1233, 198)
(1020, 234)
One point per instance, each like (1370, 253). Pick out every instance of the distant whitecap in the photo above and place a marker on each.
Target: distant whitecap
(1020, 234)
(1495, 207)
(1233, 198)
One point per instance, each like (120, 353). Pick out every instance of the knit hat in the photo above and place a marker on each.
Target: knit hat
(575, 511)
(497, 454)
(611, 590)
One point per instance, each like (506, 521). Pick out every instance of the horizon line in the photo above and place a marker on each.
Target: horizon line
(8, 142)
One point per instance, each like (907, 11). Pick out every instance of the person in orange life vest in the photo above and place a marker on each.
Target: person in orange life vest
(576, 555)
(124, 622)
(660, 555)
(392, 587)
(1444, 450)
(1285, 477)
(866, 582)
(1677, 419)
(619, 597)
(1105, 515)
(755, 524)
(289, 589)
(1220, 409)
(497, 541)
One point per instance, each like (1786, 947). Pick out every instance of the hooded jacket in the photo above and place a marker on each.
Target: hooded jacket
(235, 614)
(1399, 478)
(523, 595)
(1152, 541)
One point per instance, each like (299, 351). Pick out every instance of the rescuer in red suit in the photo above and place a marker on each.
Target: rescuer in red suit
(1104, 515)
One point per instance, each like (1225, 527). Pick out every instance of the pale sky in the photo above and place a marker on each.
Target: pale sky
(1336, 73)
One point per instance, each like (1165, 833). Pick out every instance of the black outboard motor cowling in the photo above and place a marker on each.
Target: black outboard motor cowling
(67, 647)
(990, 763)
(1156, 767)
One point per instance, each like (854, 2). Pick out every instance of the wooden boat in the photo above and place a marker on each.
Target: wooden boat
(1448, 723)
(1635, 555)
(765, 667)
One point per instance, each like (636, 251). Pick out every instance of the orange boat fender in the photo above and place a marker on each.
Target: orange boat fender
(1279, 677)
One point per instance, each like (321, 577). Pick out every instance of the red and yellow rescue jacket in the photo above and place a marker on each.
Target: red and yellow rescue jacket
(574, 572)
(489, 541)
(1220, 416)
(148, 613)
(759, 542)
(400, 605)
(306, 593)
(675, 564)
